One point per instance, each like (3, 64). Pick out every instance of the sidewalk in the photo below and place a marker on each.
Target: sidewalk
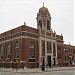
(35, 70)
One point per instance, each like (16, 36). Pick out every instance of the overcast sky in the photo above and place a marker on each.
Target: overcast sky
(13, 13)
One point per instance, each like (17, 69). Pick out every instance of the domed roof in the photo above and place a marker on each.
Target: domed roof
(43, 9)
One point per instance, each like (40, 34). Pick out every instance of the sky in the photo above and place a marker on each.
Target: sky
(13, 13)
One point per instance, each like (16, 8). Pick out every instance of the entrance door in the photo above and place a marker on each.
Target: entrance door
(70, 60)
(43, 64)
(54, 61)
(49, 61)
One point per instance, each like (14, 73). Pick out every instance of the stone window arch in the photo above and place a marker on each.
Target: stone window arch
(16, 44)
(48, 25)
(40, 23)
(32, 44)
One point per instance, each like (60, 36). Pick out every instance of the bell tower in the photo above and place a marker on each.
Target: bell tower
(44, 19)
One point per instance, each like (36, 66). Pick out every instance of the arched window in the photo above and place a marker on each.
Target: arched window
(8, 51)
(40, 23)
(32, 52)
(31, 44)
(17, 45)
(1, 52)
(48, 25)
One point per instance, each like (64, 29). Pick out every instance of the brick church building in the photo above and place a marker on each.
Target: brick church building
(33, 47)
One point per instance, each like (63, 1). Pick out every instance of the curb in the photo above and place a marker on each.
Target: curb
(39, 71)
(46, 71)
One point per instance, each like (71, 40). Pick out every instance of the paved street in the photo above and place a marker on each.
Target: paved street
(64, 72)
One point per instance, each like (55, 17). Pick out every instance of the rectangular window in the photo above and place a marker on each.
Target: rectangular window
(53, 47)
(43, 48)
(59, 48)
(8, 54)
(48, 47)
(70, 50)
(59, 56)
(32, 56)
(65, 57)
(73, 50)
(72, 57)
(1, 52)
(65, 49)
(16, 54)
(8, 47)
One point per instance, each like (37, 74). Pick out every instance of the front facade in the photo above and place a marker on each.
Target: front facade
(33, 47)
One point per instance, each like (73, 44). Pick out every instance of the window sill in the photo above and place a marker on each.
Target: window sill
(31, 58)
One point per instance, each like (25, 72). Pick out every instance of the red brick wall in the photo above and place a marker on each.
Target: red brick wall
(29, 29)
(60, 52)
(24, 43)
(59, 37)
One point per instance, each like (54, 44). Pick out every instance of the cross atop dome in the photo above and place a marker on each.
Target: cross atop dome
(43, 4)
(43, 9)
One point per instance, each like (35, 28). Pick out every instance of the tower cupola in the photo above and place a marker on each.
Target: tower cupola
(44, 19)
